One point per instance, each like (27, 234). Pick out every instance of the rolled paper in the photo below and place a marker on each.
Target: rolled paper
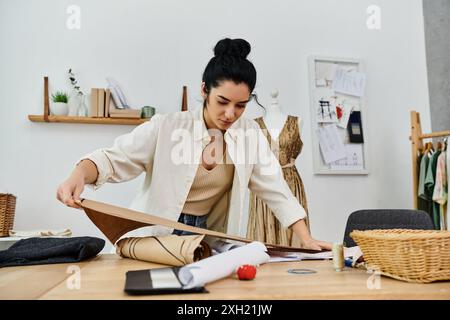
(170, 250)
(222, 265)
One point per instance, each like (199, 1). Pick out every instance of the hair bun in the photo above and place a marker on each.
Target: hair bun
(232, 47)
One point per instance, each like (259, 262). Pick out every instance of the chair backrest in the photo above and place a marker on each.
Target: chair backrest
(386, 219)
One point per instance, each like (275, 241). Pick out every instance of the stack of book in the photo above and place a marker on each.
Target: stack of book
(104, 106)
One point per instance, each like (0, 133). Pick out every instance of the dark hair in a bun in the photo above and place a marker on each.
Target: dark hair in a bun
(230, 63)
(237, 48)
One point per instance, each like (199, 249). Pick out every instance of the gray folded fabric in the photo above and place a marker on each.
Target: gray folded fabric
(33, 251)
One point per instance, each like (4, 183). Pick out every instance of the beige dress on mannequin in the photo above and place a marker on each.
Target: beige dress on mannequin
(262, 224)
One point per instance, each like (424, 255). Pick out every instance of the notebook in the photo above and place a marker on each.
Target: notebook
(157, 281)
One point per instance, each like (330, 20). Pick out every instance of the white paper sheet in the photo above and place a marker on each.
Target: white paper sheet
(353, 160)
(286, 256)
(221, 246)
(321, 83)
(330, 143)
(349, 82)
(222, 265)
(352, 252)
(324, 73)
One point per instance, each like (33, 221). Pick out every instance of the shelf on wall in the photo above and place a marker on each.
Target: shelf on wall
(87, 120)
(46, 117)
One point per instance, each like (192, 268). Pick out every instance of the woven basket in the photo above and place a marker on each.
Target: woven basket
(7, 209)
(410, 255)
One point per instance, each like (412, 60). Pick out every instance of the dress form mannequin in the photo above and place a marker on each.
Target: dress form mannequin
(283, 135)
(274, 118)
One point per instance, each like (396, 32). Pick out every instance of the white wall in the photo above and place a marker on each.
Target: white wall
(155, 47)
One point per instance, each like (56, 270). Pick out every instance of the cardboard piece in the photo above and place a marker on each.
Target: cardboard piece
(115, 221)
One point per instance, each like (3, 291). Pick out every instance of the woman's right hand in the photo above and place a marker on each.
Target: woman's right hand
(70, 190)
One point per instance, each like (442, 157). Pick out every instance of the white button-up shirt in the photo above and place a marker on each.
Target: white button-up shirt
(168, 148)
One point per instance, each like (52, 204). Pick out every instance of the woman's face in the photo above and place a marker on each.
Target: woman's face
(225, 104)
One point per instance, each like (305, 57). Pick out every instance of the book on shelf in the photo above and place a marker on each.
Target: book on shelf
(101, 103)
(129, 115)
(107, 101)
(115, 112)
(94, 103)
(103, 106)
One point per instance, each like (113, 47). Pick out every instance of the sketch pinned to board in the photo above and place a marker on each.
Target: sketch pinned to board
(343, 110)
(349, 82)
(335, 109)
(330, 144)
(326, 112)
(353, 159)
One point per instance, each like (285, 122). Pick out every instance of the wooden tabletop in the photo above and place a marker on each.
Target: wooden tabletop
(103, 277)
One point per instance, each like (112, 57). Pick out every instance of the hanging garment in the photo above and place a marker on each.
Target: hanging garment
(447, 157)
(422, 164)
(262, 224)
(430, 181)
(440, 189)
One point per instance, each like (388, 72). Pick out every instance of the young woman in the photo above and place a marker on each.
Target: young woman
(198, 164)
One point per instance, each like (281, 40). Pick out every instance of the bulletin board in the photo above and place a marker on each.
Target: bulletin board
(338, 116)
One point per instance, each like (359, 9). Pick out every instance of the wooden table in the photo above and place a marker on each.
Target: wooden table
(103, 277)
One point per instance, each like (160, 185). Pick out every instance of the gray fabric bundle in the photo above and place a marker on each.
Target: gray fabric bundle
(50, 250)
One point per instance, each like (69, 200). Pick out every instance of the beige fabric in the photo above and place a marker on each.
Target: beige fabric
(170, 250)
(149, 148)
(262, 224)
(208, 187)
(40, 233)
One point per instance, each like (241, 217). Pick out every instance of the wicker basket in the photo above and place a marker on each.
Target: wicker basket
(410, 255)
(7, 209)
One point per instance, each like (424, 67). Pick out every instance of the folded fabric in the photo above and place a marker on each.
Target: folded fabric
(40, 233)
(170, 250)
(50, 250)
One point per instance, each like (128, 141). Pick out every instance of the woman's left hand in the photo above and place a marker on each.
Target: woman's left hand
(314, 244)
(307, 241)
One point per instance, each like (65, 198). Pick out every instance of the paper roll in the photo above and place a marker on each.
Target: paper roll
(170, 250)
(222, 265)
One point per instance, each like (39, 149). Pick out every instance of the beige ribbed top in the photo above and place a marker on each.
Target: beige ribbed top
(208, 187)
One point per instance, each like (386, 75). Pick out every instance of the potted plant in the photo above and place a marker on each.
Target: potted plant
(59, 106)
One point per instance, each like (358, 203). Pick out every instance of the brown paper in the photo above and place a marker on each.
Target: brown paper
(115, 221)
(170, 250)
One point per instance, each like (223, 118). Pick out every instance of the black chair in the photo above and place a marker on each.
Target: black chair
(386, 219)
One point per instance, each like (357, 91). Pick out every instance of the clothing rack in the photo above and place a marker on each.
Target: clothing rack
(417, 138)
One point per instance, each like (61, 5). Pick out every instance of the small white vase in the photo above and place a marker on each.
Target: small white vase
(82, 108)
(59, 108)
(74, 102)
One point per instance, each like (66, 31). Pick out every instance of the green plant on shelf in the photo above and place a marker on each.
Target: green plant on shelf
(60, 96)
